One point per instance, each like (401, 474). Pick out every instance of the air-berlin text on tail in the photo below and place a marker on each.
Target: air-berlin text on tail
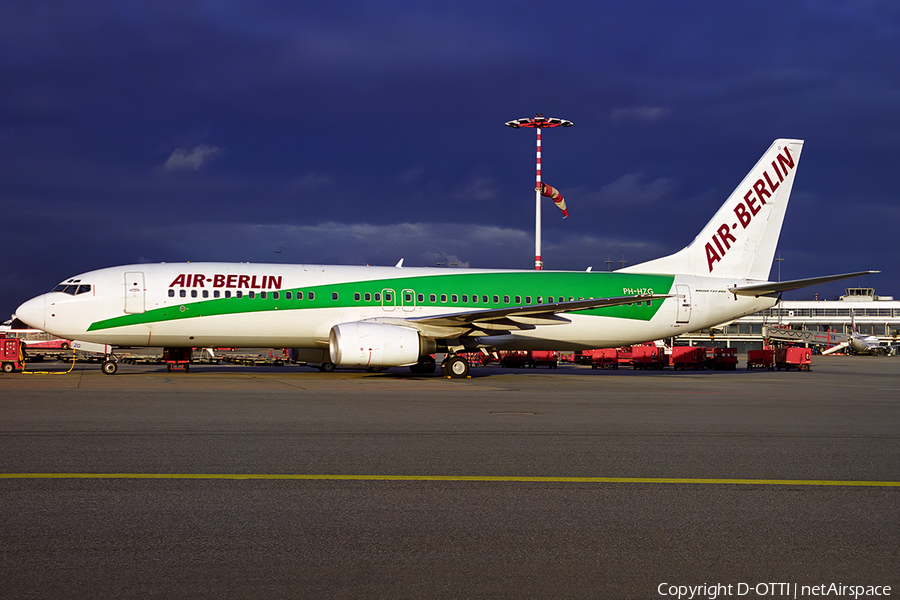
(219, 280)
(753, 201)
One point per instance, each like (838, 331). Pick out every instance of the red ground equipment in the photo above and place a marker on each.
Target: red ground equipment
(543, 358)
(688, 357)
(725, 359)
(177, 358)
(12, 355)
(648, 356)
(793, 358)
(605, 358)
(515, 360)
(761, 359)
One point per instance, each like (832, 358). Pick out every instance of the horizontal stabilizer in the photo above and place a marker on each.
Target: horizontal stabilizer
(771, 288)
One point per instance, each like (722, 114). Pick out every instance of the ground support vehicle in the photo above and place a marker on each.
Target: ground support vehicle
(177, 358)
(648, 356)
(761, 359)
(793, 358)
(12, 355)
(688, 357)
(543, 358)
(725, 359)
(605, 358)
(515, 360)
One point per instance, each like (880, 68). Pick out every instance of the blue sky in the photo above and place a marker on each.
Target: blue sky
(363, 132)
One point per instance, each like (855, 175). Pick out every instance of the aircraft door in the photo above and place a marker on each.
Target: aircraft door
(134, 292)
(683, 298)
(408, 300)
(388, 300)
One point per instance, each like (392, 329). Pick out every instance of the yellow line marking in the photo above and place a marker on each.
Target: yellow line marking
(478, 478)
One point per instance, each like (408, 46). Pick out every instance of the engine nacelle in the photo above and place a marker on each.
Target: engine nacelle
(362, 344)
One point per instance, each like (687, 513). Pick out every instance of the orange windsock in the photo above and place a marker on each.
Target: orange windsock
(552, 193)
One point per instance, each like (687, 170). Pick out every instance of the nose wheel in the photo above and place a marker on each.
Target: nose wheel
(109, 367)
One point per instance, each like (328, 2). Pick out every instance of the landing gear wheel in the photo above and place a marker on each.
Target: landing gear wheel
(109, 367)
(326, 367)
(457, 367)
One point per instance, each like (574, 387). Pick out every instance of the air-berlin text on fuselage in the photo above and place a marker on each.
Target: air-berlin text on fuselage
(753, 201)
(250, 282)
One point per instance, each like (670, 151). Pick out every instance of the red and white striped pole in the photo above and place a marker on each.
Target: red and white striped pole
(538, 263)
(538, 123)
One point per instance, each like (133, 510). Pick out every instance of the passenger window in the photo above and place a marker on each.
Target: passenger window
(356, 296)
(527, 299)
(182, 293)
(228, 293)
(239, 294)
(311, 295)
(474, 298)
(465, 298)
(368, 297)
(421, 298)
(262, 295)
(275, 295)
(485, 299)
(497, 299)
(206, 293)
(252, 294)
(540, 299)
(518, 299)
(377, 297)
(432, 298)
(443, 297)
(407, 298)
(288, 295)
(388, 297)
(506, 299)
(171, 293)
(334, 295)
(216, 294)
(454, 298)
(299, 295)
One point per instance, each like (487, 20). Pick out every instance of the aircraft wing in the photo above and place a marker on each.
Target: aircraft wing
(524, 317)
(771, 288)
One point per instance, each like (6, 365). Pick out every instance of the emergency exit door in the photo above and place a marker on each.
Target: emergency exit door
(134, 292)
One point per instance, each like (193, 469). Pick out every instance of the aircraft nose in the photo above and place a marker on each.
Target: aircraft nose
(32, 312)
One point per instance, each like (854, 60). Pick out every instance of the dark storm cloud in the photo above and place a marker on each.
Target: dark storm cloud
(362, 132)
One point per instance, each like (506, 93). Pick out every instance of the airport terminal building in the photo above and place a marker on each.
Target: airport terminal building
(861, 308)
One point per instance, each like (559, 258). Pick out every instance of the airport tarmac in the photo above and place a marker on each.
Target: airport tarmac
(242, 482)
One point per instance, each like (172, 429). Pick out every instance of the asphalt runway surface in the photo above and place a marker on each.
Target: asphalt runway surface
(241, 482)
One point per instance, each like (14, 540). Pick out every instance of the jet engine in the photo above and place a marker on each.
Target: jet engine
(363, 344)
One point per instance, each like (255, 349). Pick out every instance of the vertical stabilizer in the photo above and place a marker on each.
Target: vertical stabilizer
(740, 239)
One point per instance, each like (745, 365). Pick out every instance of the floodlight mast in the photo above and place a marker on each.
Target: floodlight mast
(538, 122)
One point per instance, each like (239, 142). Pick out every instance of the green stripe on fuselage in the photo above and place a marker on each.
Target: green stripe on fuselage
(536, 284)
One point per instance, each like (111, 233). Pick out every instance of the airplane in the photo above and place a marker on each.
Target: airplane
(375, 317)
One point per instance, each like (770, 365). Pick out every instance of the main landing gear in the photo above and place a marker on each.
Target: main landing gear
(455, 366)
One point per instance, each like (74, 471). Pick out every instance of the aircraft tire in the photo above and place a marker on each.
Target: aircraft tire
(457, 367)
(326, 367)
(109, 367)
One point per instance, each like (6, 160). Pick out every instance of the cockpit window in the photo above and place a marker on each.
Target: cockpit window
(72, 289)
